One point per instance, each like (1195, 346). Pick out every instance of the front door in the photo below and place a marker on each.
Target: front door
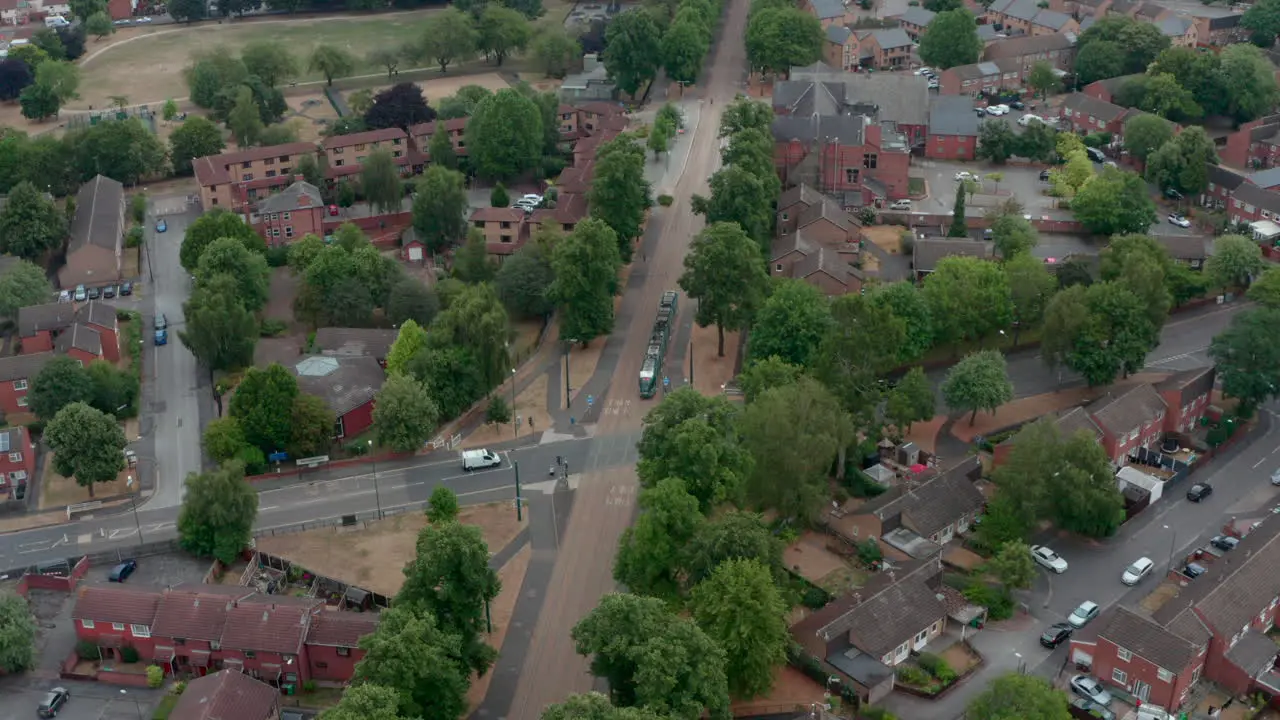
(1141, 690)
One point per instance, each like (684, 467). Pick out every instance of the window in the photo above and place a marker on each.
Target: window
(285, 171)
(140, 631)
(19, 476)
(851, 175)
(479, 224)
(869, 161)
(1195, 674)
(395, 141)
(920, 636)
(275, 232)
(19, 384)
(275, 217)
(247, 165)
(288, 231)
(22, 401)
(784, 217)
(286, 217)
(246, 177)
(778, 267)
(1164, 675)
(269, 161)
(505, 225)
(339, 163)
(344, 652)
(1119, 675)
(271, 173)
(505, 238)
(87, 624)
(338, 151)
(249, 655)
(461, 144)
(1123, 654)
(117, 626)
(398, 153)
(321, 665)
(284, 158)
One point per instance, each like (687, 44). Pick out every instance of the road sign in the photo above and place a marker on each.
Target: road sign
(278, 457)
(312, 461)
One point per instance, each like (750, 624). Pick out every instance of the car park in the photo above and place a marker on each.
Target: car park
(1225, 543)
(1081, 616)
(1179, 220)
(900, 205)
(95, 293)
(121, 572)
(1085, 709)
(1088, 687)
(1199, 492)
(53, 702)
(126, 289)
(1138, 570)
(1055, 635)
(108, 292)
(1048, 559)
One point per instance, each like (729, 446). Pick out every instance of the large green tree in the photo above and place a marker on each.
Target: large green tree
(594, 706)
(220, 330)
(1247, 355)
(741, 196)
(1181, 163)
(62, 381)
(440, 208)
(651, 552)
(1031, 286)
(476, 322)
(332, 62)
(447, 36)
(87, 444)
(270, 61)
(1144, 134)
(1100, 331)
(742, 610)
(17, 634)
(633, 49)
(30, 224)
(951, 39)
(694, 438)
(524, 280)
(366, 702)
(380, 181)
(214, 224)
(1247, 80)
(21, 284)
(779, 38)
(218, 512)
(968, 299)
(504, 135)
(980, 381)
(229, 257)
(1115, 202)
(791, 323)
(863, 343)
(1236, 260)
(1018, 696)
(725, 273)
(413, 655)
(908, 304)
(585, 266)
(912, 400)
(196, 137)
(619, 193)
(733, 535)
(684, 45)
(404, 415)
(262, 403)
(502, 31)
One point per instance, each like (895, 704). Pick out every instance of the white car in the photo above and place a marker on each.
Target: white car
(1049, 559)
(1026, 120)
(900, 205)
(1179, 220)
(998, 110)
(123, 22)
(925, 71)
(1089, 687)
(534, 198)
(144, 20)
(965, 175)
(933, 83)
(1275, 477)
(1138, 570)
(1081, 616)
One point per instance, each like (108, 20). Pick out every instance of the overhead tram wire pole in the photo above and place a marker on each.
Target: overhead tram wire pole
(377, 496)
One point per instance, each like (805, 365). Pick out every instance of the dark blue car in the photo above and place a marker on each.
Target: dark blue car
(162, 337)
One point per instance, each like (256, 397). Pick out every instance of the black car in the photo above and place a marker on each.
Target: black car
(1194, 570)
(980, 112)
(1172, 194)
(1017, 105)
(53, 702)
(121, 572)
(126, 289)
(1055, 635)
(1225, 543)
(1044, 176)
(95, 293)
(1199, 491)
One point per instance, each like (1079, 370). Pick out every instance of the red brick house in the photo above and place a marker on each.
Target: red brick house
(953, 129)
(983, 78)
(915, 21)
(227, 694)
(201, 629)
(17, 458)
(97, 235)
(290, 214)
(828, 12)
(348, 386)
(1254, 146)
(80, 342)
(1130, 420)
(1250, 203)
(504, 228)
(1026, 17)
(16, 375)
(1186, 396)
(1057, 49)
(40, 327)
(570, 209)
(422, 132)
(1136, 654)
(236, 180)
(1223, 182)
(1084, 114)
(346, 153)
(848, 156)
(1105, 90)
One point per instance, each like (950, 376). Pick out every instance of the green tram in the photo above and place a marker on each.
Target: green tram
(656, 352)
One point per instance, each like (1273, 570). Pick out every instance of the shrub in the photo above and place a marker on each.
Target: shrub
(134, 237)
(866, 215)
(129, 654)
(357, 448)
(36, 427)
(155, 676)
(308, 686)
(278, 255)
(255, 463)
(138, 208)
(912, 675)
(86, 650)
(815, 598)
(997, 601)
(906, 241)
(665, 200)
(876, 713)
(930, 662)
(860, 485)
(945, 674)
(272, 327)
(179, 687)
(869, 552)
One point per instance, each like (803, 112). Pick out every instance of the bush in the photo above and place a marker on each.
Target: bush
(869, 552)
(930, 663)
(665, 200)
(133, 238)
(997, 601)
(278, 255)
(815, 598)
(876, 713)
(272, 327)
(945, 674)
(255, 463)
(129, 654)
(36, 427)
(179, 687)
(906, 241)
(866, 215)
(357, 448)
(155, 676)
(138, 208)
(308, 686)
(86, 650)
(912, 675)
(860, 485)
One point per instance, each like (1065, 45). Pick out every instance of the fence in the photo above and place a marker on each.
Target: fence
(77, 121)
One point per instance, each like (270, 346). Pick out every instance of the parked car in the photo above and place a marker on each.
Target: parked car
(900, 205)
(1048, 558)
(123, 22)
(53, 702)
(1055, 635)
(1138, 570)
(1095, 155)
(1088, 687)
(162, 323)
(998, 110)
(1089, 710)
(333, 211)
(1044, 175)
(1199, 491)
(109, 292)
(144, 20)
(1179, 219)
(1194, 570)
(64, 296)
(933, 83)
(162, 337)
(980, 111)
(121, 572)
(965, 175)
(1017, 105)
(924, 70)
(1172, 194)
(1027, 119)
(161, 225)
(1081, 616)
(81, 294)
(95, 293)
(126, 289)
(1225, 543)
(1275, 477)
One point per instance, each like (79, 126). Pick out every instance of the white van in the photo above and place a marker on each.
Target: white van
(55, 21)
(477, 459)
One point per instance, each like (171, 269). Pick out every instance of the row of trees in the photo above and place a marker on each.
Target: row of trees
(19, 70)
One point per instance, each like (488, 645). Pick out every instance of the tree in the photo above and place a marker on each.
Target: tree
(452, 378)
(650, 553)
(1265, 290)
(471, 263)
(262, 403)
(1037, 143)
(741, 609)
(725, 273)
(1099, 331)
(502, 31)
(1114, 203)
(410, 340)
(1235, 261)
(99, 25)
(1138, 42)
(463, 103)
(524, 280)
(684, 45)
(229, 257)
(1180, 163)
(910, 401)
(440, 151)
(412, 653)
(1013, 235)
(1263, 20)
(115, 391)
(556, 51)
(653, 658)
(793, 432)
(1031, 285)
(442, 506)
(366, 702)
(404, 414)
(220, 329)
(210, 226)
(908, 304)
(668, 446)
(1099, 61)
(734, 535)
(447, 36)
(741, 196)
(401, 105)
(585, 267)
(17, 635)
(223, 439)
(62, 381)
(332, 62)
(213, 73)
(619, 193)
(1248, 358)
(633, 49)
(387, 57)
(1074, 175)
(380, 181)
(1248, 86)
(196, 137)
(980, 381)
(951, 40)
(498, 196)
(411, 300)
(218, 513)
(497, 412)
(123, 150)
(1043, 79)
(31, 224)
(504, 136)
(87, 444)
(1017, 696)
(22, 284)
(39, 102)
(187, 10)
(1144, 134)
(439, 208)
(15, 76)
(61, 77)
(996, 141)
(270, 61)
(958, 227)
(1014, 566)
(968, 299)
(594, 706)
(791, 323)
(475, 320)
(779, 38)
(450, 578)
(312, 427)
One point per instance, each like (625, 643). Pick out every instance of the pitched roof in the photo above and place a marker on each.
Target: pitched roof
(227, 695)
(79, 337)
(985, 69)
(277, 628)
(1028, 45)
(917, 16)
(1226, 177)
(1268, 178)
(1253, 653)
(116, 603)
(1120, 414)
(193, 615)
(429, 128)
(935, 504)
(952, 115)
(1258, 197)
(497, 214)
(298, 196)
(60, 316)
(890, 618)
(1174, 26)
(1075, 420)
(1189, 383)
(212, 169)
(23, 367)
(987, 33)
(893, 97)
(888, 38)
(344, 383)
(355, 342)
(99, 218)
(1183, 247)
(363, 138)
(341, 629)
(1088, 105)
(842, 614)
(829, 210)
(827, 9)
(1150, 641)
(838, 34)
(927, 252)
(824, 261)
(1051, 19)
(801, 193)
(1188, 625)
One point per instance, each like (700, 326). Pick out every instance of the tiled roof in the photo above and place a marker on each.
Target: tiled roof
(1051, 19)
(299, 195)
(824, 261)
(194, 616)
(894, 616)
(927, 252)
(355, 342)
(363, 138)
(1129, 411)
(266, 628)
(99, 218)
(1075, 420)
(1253, 653)
(344, 383)
(827, 9)
(1236, 587)
(802, 193)
(1028, 45)
(497, 214)
(1225, 177)
(1189, 384)
(1083, 104)
(952, 115)
(116, 603)
(79, 337)
(1150, 641)
(834, 618)
(917, 16)
(936, 503)
(23, 367)
(1174, 26)
(1251, 194)
(848, 128)
(227, 695)
(889, 38)
(829, 210)
(341, 629)
(59, 316)
(212, 170)
(1268, 178)
(1183, 247)
(602, 107)
(1189, 626)
(426, 129)
(838, 34)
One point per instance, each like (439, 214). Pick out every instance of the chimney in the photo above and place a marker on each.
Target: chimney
(265, 615)
(590, 62)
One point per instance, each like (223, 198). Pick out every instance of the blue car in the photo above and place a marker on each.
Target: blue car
(161, 226)
(162, 337)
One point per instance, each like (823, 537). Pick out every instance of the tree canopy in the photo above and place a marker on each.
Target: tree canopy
(218, 512)
(951, 40)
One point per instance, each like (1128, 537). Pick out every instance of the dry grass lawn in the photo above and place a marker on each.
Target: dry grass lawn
(373, 555)
(791, 689)
(960, 658)
(532, 403)
(57, 491)
(500, 611)
(809, 557)
(710, 371)
(1158, 597)
(885, 237)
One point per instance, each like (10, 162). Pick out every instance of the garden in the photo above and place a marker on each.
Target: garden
(930, 674)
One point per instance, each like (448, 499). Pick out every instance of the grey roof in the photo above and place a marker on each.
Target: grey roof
(888, 38)
(355, 342)
(1075, 420)
(894, 616)
(845, 128)
(1236, 587)
(1189, 384)
(23, 367)
(59, 316)
(1028, 45)
(1183, 247)
(988, 33)
(1258, 197)
(1253, 653)
(988, 68)
(864, 669)
(825, 261)
(1020, 9)
(1268, 178)
(1120, 414)
(80, 337)
(1174, 26)
(300, 195)
(894, 97)
(99, 218)
(1153, 643)
(802, 193)
(838, 34)
(1189, 626)
(935, 504)
(835, 619)
(1088, 22)
(917, 16)
(829, 210)
(952, 115)
(827, 9)
(1051, 19)
(1226, 177)
(818, 72)
(926, 252)
(343, 383)
(1089, 105)
(789, 243)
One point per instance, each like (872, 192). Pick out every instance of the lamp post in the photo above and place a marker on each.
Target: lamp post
(377, 496)
(515, 426)
(136, 706)
(568, 346)
(1022, 665)
(1173, 538)
(129, 484)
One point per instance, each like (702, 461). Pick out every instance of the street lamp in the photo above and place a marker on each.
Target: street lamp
(377, 496)
(1173, 538)
(1022, 666)
(129, 484)
(515, 425)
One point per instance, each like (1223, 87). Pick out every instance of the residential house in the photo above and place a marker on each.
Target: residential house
(840, 48)
(1268, 179)
(1084, 114)
(1057, 49)
(794, 201)
(1223, 183)
(987, 33)
(16, 375)
(1250, 203)
(828, 12)
(1106, 90)
(456, 128)
(1068, 424)
(1026, 17)
(237, 180)
(1217, 27)
(41, 326)
(862, 635)
(355, 342)
(818, 242)
(1138, 655)
(503, 227)
(926, 253)
(17, 458)
(225, 695)
(1188, 250)
(570, 209)
(97, 235)
(884, 49)
(1186, 397)
(1254, 146)
(599, 116)
(593, 83)
(290, 214)
(984, 78)
(80, 342)
(348, 386)
(346, 153)
(1180, 30)
(915, 20)
(333, 642)
(1130, 420)
(819, 89)
(953, 128)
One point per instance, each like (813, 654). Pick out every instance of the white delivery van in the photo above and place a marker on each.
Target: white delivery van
(55, 21)
(477, 459)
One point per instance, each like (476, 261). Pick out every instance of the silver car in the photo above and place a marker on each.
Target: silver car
(1275, 477)
(1088, 686)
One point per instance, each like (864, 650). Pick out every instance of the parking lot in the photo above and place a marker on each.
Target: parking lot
(164, 570)
(89, 701)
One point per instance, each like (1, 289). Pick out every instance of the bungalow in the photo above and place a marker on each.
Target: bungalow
(1187, 250)
(355, 342)
(926, 253)
(97, 235)
(348, 386)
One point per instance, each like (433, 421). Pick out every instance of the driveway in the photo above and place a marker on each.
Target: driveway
(89, 701)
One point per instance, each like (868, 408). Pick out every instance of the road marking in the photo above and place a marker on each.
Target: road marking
(268, 507)
(84, 539)
(121, 533)
(621, 496)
